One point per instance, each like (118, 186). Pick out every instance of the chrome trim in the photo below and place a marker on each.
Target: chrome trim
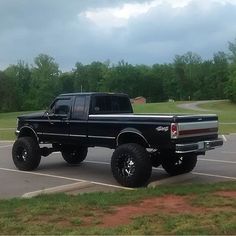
(80, 136)
(201, 146)
(132, 115)
(131, 131)
(105, 137)
(55, 134)
(66, 135)
(198, 125)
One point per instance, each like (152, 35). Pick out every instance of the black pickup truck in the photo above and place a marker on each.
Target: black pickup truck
(77, 121)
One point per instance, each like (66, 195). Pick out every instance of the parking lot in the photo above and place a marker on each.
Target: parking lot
(218, 165)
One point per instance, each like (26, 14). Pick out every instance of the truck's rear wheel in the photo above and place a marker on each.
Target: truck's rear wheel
(75, 156)
(131, 165)
(175, 164)
(26, 153)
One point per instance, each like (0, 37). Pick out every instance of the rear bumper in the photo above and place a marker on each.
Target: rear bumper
(202, 146)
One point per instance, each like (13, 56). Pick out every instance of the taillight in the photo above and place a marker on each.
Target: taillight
(174, 130)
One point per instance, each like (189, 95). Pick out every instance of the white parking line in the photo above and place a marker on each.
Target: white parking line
(220, 161)
(225, 139)
(63, 177)
(109, 185)
(98, 162)
(218, 176)
(209, 175)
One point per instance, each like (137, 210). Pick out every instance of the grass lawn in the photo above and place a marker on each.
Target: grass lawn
(224, 109)
(8, 125)
(162, 107)
(182, 209)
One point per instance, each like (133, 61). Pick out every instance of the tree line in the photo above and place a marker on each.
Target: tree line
(188, 77)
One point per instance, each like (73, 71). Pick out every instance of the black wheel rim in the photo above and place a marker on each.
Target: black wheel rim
(22, 154)
(178, 161)
(74, 154)
(126, 165)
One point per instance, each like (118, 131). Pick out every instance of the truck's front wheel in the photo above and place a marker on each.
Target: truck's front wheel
(131, 165)
(175, 164)
(26, 153)
(75, 156)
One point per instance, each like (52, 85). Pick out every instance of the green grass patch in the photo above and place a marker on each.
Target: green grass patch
(63, 214)
(8, 120)
(224, 109)
(162, 107)
(7, 134)
(8, 124)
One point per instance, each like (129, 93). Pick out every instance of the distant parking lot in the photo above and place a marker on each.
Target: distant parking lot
(217, 165)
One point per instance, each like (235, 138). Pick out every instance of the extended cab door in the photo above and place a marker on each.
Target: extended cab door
(78, 122)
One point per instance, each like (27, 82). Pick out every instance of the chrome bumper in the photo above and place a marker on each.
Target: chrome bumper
(202, 146)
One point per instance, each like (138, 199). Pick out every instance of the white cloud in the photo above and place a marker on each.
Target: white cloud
(120, 16)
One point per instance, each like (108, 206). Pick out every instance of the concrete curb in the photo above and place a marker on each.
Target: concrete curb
(172, 180)
(59, 189)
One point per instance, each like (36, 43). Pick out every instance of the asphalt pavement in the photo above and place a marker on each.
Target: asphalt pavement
(216, 166)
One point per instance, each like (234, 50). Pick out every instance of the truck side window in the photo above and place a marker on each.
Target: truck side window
(61, 107)
(78, 112)
(102, 104)
(111, 104)
(120, 104)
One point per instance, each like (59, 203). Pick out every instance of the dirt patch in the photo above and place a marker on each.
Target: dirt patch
(167, 204)
(231, 194)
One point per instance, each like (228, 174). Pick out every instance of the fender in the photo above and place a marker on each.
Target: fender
(27, 129)
(133, 131)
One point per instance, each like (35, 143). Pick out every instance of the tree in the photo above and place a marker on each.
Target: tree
(187, 68)
(90, 77)
(231, 85)
(21, 75)
(44, 86)
(8, 93)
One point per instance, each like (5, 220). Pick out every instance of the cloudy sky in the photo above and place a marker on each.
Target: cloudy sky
(140, 32)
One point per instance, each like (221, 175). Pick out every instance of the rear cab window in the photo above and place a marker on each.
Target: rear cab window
(110, 104)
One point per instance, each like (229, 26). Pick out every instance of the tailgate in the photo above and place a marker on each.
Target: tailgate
(194, 125)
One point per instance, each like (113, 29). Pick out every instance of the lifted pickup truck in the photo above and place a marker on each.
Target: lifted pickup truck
(77, 121)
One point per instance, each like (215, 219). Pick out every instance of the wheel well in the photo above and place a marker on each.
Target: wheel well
(130, 137)
(28, 132)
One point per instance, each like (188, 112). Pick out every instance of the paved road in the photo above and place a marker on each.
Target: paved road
(217, 165)
(194, 105)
